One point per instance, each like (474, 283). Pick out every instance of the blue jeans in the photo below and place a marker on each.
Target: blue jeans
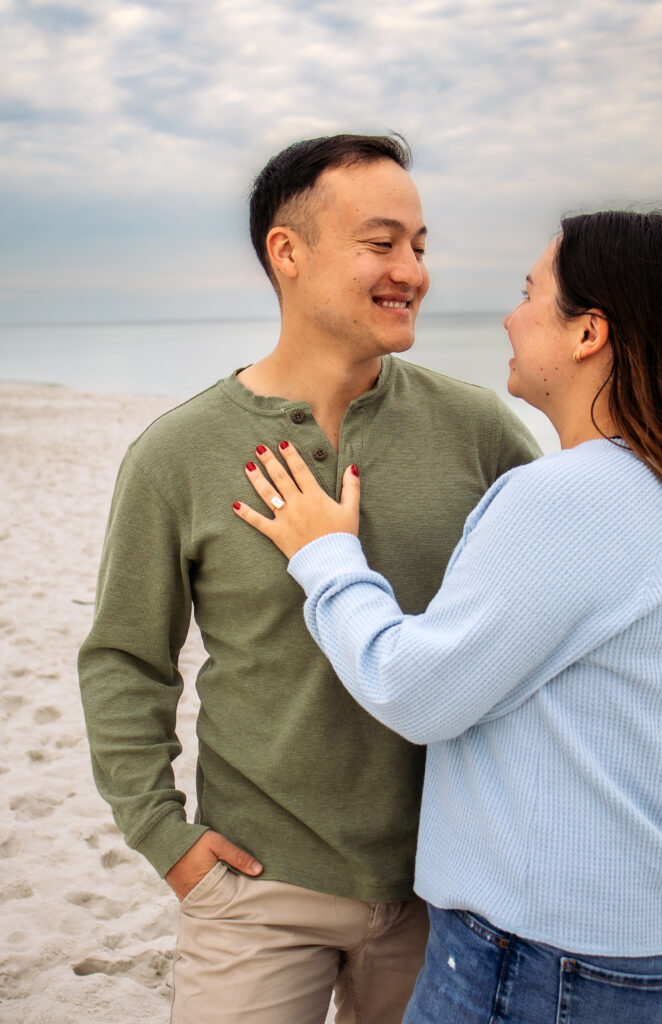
(476, 974)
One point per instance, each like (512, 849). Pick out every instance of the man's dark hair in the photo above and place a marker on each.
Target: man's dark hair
(291, 175)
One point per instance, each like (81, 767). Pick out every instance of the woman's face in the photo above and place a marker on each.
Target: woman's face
(542, 344)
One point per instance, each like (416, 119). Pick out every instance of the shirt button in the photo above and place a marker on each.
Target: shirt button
(320, 454)
(298, 416)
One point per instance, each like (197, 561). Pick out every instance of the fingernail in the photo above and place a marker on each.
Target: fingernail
(235, 504)
(260, 449)
(284, 445)
(355, 470)
(250, 466)
(256, 867)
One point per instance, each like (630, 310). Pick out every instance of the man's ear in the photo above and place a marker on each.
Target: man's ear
(282, 247)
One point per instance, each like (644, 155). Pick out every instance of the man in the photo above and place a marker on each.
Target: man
(296, 876)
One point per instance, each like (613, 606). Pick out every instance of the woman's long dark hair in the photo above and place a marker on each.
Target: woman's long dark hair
(612, 262)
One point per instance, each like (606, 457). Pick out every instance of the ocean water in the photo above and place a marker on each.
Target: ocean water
(182, 358)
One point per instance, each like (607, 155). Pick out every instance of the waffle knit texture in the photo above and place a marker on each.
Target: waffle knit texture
(290, 768)
(535, 676)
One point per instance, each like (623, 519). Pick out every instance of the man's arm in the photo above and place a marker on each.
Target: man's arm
(131, 684)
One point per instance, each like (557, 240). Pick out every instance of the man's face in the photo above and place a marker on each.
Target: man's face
(362, 281)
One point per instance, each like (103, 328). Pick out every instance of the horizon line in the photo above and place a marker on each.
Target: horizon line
(163, 321)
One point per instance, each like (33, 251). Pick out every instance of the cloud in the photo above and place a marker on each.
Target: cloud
(515, 113)
(214, 77)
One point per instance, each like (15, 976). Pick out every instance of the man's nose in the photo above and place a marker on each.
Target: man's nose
(407, 267)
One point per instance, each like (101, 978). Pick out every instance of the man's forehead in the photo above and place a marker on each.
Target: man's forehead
(352, 175)
(388, 222)
(375, 194)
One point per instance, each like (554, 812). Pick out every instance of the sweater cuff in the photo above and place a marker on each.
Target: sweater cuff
(169, 840)
(325, 559)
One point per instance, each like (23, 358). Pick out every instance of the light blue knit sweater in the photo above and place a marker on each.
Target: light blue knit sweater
(535, 676)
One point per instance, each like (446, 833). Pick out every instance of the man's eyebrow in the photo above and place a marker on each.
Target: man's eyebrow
(389, 222)
(529, 279)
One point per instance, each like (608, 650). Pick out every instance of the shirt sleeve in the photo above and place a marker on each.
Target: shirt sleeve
(517, 444)
(524, 596)
(129, 679)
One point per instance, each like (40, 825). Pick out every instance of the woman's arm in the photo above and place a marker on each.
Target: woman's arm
(530, 589)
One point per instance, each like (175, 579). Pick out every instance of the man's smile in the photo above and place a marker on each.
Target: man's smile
(393, 303)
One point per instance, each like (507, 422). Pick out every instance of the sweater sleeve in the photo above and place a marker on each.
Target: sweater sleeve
(130, 683)
(528, 591)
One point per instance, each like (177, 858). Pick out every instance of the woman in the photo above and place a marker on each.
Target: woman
(535, 674)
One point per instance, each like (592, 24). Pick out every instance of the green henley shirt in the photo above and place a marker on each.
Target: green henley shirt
(290, 768)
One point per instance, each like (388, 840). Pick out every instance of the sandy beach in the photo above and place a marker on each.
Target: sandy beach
(88, 926)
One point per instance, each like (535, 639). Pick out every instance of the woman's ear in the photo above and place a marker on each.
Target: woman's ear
(281, 247)
(595, 335)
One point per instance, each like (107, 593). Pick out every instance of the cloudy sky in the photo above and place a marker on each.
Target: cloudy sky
(131, 132)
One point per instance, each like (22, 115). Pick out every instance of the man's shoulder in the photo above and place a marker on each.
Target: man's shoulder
(468, 415)
(191, 418)
(419, 381)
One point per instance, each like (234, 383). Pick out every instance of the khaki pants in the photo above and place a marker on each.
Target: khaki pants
(260, 952)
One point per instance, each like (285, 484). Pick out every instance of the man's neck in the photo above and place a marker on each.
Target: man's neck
(327, 382)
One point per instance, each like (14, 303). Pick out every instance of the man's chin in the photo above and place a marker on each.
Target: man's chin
(401, 344)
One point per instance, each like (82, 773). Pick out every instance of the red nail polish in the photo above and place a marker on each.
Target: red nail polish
(250, 466)
(235, 504)
(355, 470)
(260, 449)
(284, 445)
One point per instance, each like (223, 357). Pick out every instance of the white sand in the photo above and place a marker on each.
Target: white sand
(87, 926)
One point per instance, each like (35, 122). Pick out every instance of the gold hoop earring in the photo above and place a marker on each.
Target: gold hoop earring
(577, 355)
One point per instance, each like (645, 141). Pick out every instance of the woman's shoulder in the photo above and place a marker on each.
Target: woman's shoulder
(598, 481)
(592, 464)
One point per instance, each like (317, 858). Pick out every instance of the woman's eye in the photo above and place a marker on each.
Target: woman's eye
(524, 294)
